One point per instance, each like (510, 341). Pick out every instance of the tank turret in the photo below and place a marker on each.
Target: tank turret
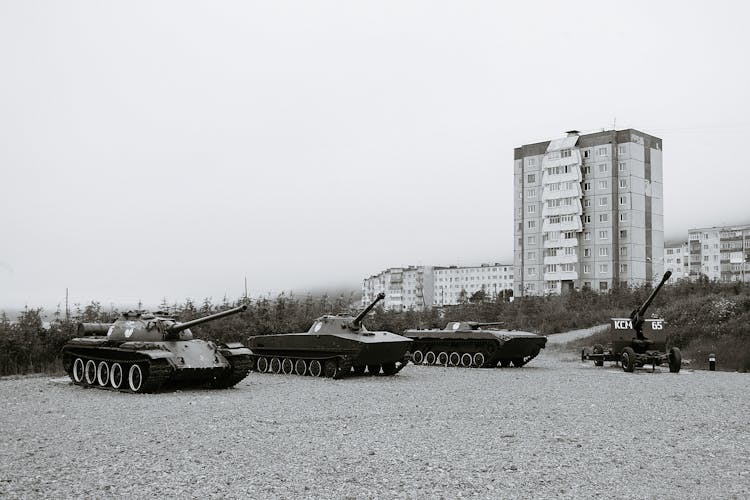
(141, 351)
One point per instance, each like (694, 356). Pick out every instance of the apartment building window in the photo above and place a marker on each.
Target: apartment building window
(554, 187)
(531, 193)
(622, 166)
(531, 271)
(622, 149)
(555, 219)
(604, 252)
(603, 286)
(603, 201)
(587, 252)
(623, 217)
(623, 200)
(565, 153)
(587, 269)
(586, 153)
(587, 235)
(566, 218)
(603, 217)
(603, 184)
(705, 258)
(531, 255)
(531, 224)
(603, 168)
(624, 234)
(587, 203)
(569, 235)
(623, 251)
(531, 178)
(587, 219)
(550, 268)
(567, 268)
(531, 239)
(570, 251)
(604, 234)
(603, 268)
(531, 209)
(623, 268)
(601, 151)
(531, 162)
(520, 226)
(623, 183)
(586, 170)
(586, 186)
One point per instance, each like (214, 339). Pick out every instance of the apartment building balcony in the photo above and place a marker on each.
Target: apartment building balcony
(568, 225)
(561, 276)
(560, 259)
(574, 208)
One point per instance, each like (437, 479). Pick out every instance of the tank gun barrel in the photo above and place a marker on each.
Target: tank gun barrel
(199, 321)
(358, 320)
(85, 329)
(637, 316)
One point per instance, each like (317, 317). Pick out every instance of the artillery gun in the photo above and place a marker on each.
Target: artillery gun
(474, 344)
(335, 346)
(142, 351)
(630, 345)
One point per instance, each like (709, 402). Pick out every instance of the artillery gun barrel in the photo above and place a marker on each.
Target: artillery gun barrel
(637, 315)
(356, 322)
(199, 321)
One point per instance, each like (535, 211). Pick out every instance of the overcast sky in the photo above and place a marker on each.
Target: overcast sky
(154, 149)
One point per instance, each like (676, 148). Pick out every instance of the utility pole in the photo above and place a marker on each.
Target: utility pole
(67, 307)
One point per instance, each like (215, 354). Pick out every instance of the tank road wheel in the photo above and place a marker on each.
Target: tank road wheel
(442, 358)
(466, 359)
(417, 357)
(430, 358)
(373, 369)
(389, 368)
(454, 359)
(675, 360)
(287, 367)
(627, 358)
(315, 368)
(262, 365)
(78, 371)
(275, 365)
(330, 367)
(102, 374)
(90, 373)
(598, 349)
(478, 359)
(115, 375)
(135, 378)
(359, 370)
(300, 367)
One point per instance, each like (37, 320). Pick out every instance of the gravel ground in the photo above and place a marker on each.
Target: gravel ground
(555, 428)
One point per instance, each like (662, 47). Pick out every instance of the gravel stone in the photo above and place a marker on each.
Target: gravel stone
(554, 428)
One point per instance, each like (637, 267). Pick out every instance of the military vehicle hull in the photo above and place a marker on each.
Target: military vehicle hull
(148, 366)
(333, 355)
(468, 347)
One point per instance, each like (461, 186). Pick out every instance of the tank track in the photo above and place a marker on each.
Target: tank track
(458, 359)
(345, 367)
(241, 364)
(156, 372)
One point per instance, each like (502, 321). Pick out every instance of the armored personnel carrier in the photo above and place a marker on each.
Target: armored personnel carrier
(334, 346)
(473, 344)
(631, 347)
(141, 351)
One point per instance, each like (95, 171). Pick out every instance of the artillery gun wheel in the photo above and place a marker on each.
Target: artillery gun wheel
(442, 358)
(90, 373)
(300, 367)
(627, 358)
(675, 360)
(287, 367)
(417, 357)
(275, 365)
(315, 368)
(478, 359)
(78, 371)
(102, 374)
(373, 369)
(330, 367)
(359, 369)
(115, 375)
(466, 359)
(430, 358)
(598, 349)
(389, 369)
(454, 359)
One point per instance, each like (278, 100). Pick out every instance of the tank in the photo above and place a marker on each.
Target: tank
(474, 344)
(141, 352)
(334, 346)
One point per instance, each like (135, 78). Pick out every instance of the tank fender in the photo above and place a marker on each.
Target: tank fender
(235, 348)
(156, 354)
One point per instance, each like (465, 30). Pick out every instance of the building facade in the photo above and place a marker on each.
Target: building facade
(720, 253)
(588, 212)
(677, 260)
(421, 287)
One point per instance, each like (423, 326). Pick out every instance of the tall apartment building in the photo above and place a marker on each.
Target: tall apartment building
(720, 253)
(588, 212)
(420, 287)
(677, 260)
